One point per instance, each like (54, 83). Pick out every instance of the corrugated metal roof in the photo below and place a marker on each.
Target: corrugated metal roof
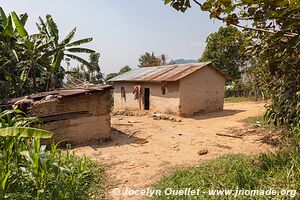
(66, 92)
(161, 73)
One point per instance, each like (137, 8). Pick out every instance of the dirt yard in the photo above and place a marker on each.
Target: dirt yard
(142, 150)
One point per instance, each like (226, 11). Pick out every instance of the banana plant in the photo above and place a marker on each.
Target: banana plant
(13, 127)
(34, 51)
(64, 48)
(15, 123)
(8, 51)
(36, 55)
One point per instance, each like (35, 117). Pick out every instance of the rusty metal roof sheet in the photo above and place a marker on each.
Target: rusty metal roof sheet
(161, 73)
(66, 92)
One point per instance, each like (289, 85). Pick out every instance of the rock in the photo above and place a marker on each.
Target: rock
(250, 130)
(202, 152)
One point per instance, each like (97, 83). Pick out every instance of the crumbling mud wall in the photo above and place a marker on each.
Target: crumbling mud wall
(76, 119)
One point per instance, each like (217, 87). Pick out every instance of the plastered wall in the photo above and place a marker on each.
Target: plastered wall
(202, 91)
(163, 103)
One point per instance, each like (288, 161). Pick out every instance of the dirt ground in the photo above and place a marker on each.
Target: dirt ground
(143, 150)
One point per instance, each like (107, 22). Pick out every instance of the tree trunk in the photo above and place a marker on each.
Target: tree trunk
(48, 82)
(33, 77)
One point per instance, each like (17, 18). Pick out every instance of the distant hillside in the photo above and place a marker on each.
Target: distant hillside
(184, 61)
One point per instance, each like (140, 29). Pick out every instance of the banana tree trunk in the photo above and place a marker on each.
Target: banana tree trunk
(33, 77)
(48, 82)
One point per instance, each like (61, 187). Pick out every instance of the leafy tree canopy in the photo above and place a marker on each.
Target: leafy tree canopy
(123, 70)
(151, 60)
(224, 50)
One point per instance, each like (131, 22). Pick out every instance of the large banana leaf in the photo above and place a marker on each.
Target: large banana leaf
(19, 26)
(69, 37)
(8, 29)
(42, 27)
(24, 76)
(25, 132)
(3, 16)
(44, 44)
(80, 50)
(79, 60)
(58, 58)
(9, 112)
(79, 42)
(52, 28)
(24, 18)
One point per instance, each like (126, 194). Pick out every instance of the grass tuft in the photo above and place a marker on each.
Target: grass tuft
(236, 99)
(258, 121)
(268, 171)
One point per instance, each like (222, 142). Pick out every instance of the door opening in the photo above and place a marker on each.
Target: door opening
(146, 98)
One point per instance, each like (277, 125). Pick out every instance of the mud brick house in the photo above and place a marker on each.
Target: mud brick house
(77, 115)
(183, 90)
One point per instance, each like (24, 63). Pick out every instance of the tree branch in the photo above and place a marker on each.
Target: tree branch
(264, 30)
(250, 28)
(199, 4)
(258, 29)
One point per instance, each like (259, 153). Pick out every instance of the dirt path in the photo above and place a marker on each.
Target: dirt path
(170, 145)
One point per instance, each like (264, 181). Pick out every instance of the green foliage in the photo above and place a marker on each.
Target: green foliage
(59, 50)
(257, 121)
(277, 171)
(224, 49)
(110, 76)
(123, 70)
(230, 172)
(235, 99)
(96, 75)
(150, 60)
(31, 63)
(29, 171)
(246, 89)
(87, 73)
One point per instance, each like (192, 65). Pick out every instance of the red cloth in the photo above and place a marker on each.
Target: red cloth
(123, 94)
(136, 91)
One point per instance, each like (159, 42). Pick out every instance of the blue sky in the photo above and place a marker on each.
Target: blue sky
(123, 30)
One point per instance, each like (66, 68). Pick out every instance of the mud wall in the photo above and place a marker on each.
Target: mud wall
(89, 122)
(202, 91)
(159, 102)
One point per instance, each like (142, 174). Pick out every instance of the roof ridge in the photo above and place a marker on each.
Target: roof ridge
(162, 73)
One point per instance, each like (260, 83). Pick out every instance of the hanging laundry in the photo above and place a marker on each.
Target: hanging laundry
(136, 91)
(123, 93)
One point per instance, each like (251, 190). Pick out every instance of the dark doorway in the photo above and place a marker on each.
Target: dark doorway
(146, 98)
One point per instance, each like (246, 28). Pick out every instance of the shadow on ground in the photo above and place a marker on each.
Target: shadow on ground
(119, 138)
(224, 113)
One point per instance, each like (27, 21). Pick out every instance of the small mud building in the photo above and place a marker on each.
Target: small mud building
(77, 115)
(183, 90)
